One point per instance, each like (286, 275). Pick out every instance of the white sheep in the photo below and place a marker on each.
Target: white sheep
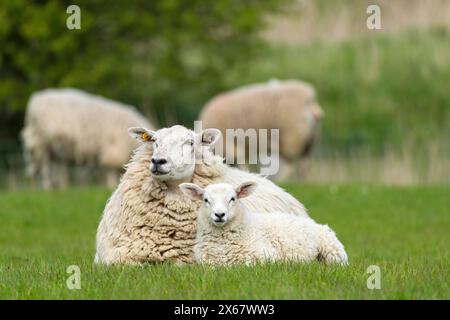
(148, 219)
(289, 106)
(227, 233)
(69, 126)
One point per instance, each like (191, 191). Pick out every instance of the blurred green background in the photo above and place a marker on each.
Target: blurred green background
(385, 93)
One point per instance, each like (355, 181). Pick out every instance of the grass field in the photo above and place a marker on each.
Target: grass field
(373, 90)
(386, 99)
(405, 231)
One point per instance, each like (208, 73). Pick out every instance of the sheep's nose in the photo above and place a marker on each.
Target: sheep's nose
(219, 215)
(158, 162)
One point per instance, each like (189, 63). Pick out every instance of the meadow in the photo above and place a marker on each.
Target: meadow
(379, 175)
(386, 103)
(403, 230)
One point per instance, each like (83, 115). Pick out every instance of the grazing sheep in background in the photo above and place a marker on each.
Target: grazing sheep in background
(289, 106)
(227, 233)
(148, 219)
(69, 126)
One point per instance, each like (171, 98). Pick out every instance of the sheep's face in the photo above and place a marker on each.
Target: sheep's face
(220, 201)
(175, 149)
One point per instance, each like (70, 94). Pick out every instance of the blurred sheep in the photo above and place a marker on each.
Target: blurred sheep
(289, 106)
(69, 126)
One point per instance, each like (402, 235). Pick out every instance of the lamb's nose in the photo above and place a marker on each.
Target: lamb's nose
(219, 215)
(159, 161)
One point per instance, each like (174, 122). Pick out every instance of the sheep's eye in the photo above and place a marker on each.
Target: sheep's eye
(206, 200)
(232, 199)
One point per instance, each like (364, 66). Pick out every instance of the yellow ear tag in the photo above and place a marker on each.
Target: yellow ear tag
(145, 136)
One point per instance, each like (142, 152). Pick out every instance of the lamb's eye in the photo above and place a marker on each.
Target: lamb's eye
(206, 200)
(232, 199)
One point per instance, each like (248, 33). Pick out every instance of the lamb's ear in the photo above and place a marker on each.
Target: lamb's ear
(245, 189)
(142, 135)
(192, 190)
(210, 136)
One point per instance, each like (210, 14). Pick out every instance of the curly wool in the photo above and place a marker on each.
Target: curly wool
(144, 221)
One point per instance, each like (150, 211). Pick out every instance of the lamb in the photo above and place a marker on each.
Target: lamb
(148, 219)
(289, 106)
(69, 126)
(227, 233)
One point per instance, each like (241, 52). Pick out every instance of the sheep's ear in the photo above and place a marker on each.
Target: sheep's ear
(210, 136)
(142, 135)
(193, 191)
(245, 189)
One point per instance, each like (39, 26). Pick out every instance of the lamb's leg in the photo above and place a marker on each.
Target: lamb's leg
(331, 250)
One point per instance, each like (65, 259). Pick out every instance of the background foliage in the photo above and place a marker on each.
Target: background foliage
(385, 90)
(385, 93)
(166, 57)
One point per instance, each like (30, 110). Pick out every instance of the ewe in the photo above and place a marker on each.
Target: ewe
(148, 219)
(69, 126)
(289, 106)
(227, 233)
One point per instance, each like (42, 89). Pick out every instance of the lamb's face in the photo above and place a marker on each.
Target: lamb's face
(175, 149)
(220, 201)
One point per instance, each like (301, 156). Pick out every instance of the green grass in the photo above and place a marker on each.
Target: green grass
(405, 231)
(383, 95)
(377, 91)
